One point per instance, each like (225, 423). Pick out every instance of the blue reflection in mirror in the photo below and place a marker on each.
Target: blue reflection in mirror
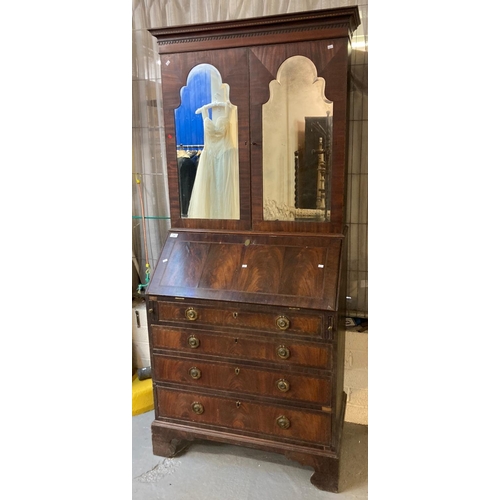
(206, 125)
(196, 93)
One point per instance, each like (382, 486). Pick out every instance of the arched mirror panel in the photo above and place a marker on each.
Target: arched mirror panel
(206, 128)
(296, 145)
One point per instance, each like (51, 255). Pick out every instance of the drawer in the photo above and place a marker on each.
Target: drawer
(242, 346)
(243, 379)
(277, 321)
(245, 416)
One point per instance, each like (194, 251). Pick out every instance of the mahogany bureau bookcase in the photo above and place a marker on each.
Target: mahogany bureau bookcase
(246, 303)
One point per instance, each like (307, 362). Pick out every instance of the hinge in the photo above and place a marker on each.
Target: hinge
(152, 311)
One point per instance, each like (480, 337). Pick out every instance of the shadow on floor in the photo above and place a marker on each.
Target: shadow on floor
(209, 470)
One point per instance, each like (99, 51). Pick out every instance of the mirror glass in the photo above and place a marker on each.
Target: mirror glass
(206, 127)
(296, 144)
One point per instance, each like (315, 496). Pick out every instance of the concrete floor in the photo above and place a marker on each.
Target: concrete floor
(213, 471)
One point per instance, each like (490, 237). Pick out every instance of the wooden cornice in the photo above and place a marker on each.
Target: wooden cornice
(310, 25)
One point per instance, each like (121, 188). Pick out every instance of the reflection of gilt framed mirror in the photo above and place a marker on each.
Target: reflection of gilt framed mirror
(297, 126)
(207, 147)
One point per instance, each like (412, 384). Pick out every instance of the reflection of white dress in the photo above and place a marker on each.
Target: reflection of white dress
(216, 186)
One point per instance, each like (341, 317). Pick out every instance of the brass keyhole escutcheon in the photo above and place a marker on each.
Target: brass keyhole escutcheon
(195, 373)
(283, 422)
(282, 322)
(238, 404)
(237, 371)
(283, 352)
(235, 315)
(193, 342)
(197, 408)
(191, 314)
(283, 385)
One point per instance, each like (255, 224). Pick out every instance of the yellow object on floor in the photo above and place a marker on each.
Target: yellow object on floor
(142, 395)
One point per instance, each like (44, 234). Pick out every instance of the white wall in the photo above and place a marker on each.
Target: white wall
(356, 376)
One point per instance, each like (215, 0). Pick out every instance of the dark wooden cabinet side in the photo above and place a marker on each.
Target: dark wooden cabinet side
(246, 317)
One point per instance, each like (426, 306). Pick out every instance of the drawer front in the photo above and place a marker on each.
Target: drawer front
(266, 419)
(242, 379)
(276, 322)
(243, 347)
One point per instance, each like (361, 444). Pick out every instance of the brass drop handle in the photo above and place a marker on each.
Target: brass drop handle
(195, 373)
(197, 408)
(283, 422)
(283, 352)
(191, 314)
(193, 342)
(282, 322)
(283, 385)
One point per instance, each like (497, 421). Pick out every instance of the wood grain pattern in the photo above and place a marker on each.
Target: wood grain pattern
(220, 267)
(242, 347)
(261, 269)
(239, 276)
(238, 318)
(247, 416)
(308, 276)
(186, 264)
(242, 379)
(296, 270)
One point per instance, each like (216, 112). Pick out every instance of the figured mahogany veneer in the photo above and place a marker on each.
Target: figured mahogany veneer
(238, 346)
(251, 268)
(236, 318)
(243, 379)
(246, 316)
(251, 417)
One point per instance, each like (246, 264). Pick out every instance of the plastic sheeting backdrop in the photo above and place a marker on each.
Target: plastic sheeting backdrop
(149, 179)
